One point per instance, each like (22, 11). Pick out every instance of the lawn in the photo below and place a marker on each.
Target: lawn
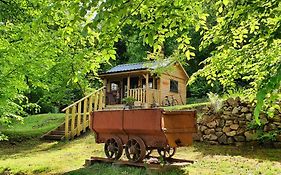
(34, 156)
(33, 126)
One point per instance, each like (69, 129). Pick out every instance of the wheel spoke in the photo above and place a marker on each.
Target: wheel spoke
(135, 149)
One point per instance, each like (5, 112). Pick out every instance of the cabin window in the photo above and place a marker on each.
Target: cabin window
(174, 86)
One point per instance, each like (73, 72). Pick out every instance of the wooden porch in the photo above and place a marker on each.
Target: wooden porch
(140, 85)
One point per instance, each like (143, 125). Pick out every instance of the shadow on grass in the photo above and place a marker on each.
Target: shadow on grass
(253, 152)
(27, 145)
(106, 169)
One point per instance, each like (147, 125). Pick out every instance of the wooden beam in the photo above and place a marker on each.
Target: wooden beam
(85, 114)
(160, 90)
(73, 116)
(66, 130)
(105, 91)
(153, 82)
(105, 84)
(147, 87)
(100, 100)
(124, 74)
(128, 85)
(96, 102)
(79, 119)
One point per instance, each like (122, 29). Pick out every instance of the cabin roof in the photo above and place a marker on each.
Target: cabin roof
(139, 66)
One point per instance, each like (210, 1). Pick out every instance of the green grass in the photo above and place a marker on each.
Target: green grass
(39, 157)
(35, 156)
(33, 126)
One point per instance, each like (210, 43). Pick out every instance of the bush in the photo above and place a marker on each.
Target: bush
(200, 87)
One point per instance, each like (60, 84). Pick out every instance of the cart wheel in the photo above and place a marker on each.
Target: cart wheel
(166, 152)
(113, 148)
(135, 149)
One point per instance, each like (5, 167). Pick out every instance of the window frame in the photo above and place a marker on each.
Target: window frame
(174, 83)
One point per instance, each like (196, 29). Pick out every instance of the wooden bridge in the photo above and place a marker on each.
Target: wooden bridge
(77, 116)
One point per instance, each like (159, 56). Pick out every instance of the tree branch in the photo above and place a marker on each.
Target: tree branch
(124, 20)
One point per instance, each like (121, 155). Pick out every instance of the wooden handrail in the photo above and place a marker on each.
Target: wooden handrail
(77, 115)
(75, 103)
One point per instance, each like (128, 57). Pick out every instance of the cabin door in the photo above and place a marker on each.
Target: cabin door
(114, 96)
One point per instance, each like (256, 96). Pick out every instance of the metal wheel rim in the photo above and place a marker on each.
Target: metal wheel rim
(135, 149)
(113, 148)
(166, 152)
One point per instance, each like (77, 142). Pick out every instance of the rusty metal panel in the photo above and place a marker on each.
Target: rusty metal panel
(156, 127)
(145, 123)
(179, 126)
(108, 121)
(107, 124)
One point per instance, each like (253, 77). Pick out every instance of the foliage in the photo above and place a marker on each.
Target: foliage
(45, 60)
(52, 48)
(261, 135)
(246, 35)
(265, 137)
(129, 101)
(216, 102)
(200, 87)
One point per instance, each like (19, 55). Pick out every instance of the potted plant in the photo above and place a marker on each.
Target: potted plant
(129, 102)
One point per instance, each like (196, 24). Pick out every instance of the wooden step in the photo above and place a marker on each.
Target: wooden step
(53, 137)
(57, 132)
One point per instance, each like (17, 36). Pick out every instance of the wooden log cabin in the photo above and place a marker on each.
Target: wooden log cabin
(139, 80)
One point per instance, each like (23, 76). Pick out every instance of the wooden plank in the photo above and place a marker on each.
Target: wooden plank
(66, 129)
(96, 99)
(170, 164)
(146, 87)
(79, 119)
(141, 95)
(100, 100)
(90, 103)
(153, 82)
(134, 93)
(73, 116)
(85, 115)
(105, 90)
(128, 86)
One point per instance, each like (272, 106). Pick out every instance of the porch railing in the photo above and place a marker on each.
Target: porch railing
(140, 95)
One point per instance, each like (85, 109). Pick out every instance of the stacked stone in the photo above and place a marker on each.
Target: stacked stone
(230, 125)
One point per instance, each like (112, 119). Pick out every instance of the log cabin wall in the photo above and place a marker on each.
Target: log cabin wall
(175, 73)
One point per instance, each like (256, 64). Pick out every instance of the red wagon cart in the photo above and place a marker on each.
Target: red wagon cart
(140, 131)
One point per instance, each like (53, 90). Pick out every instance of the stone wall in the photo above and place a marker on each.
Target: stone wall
(234, 124)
